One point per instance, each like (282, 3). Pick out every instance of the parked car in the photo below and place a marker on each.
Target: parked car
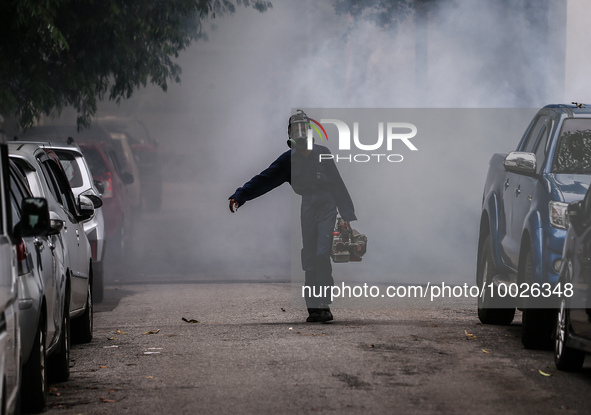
(34, 221)
(523, 222)
(44, 318)
(127, 159)
(573, 319)
(148, 158)
(10, 347)
(82, 183)
(46, 178)
(118, 214)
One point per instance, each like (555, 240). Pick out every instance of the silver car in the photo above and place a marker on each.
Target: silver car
(44, 319)
(82, 183)
(46, 178)
(10, 350)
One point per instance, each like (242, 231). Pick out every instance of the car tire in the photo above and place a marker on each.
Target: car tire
(565, 358)
(83, 325)
(536, 323)
(34, 378)
(59, 363)
(490, 313)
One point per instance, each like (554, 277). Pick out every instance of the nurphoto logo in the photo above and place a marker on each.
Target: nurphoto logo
(393, 132)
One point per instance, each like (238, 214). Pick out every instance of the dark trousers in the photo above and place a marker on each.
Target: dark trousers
(318, 216)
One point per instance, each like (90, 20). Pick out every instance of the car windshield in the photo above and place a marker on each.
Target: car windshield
(96, 163)
(573, 155)
(70, 165)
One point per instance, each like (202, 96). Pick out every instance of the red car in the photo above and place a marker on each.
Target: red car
(117, 211)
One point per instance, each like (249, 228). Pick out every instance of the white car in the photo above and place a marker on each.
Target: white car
(46, 178)
(44, 319)
(12, 231)
(9, 331)
(82, 183)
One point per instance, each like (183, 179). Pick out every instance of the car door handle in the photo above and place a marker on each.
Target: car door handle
(39, 244)
(506, 183)
(51, 245)
(518, 190)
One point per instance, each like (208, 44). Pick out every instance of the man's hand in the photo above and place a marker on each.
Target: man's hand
(234, 205)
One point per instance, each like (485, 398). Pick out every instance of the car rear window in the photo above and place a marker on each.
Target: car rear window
(573, 155)
(70, 165)
(95, 162)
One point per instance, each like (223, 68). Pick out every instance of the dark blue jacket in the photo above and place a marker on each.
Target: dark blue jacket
(307, 176)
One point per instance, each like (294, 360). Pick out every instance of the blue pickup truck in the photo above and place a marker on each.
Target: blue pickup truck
(524, 220)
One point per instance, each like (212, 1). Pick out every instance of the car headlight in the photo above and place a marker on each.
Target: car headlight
(558, 215)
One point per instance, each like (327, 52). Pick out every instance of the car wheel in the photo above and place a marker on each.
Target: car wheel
(490, 312)
(536, 323)
(34, 380)
(59, 369)
(83, 325)
(565, 358)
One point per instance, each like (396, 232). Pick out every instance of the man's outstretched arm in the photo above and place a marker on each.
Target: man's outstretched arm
(276, 174)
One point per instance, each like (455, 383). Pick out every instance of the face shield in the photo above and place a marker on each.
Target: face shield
(299, 130)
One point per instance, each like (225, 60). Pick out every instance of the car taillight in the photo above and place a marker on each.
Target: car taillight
(22, 258)
(107, 183)
(21, 251)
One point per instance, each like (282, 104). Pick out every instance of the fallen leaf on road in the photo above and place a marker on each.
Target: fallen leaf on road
(103, 367)
(485, 351)
(151, 352)
(149, 377)
(152, 331)
(190, 321)
(283, 309)
(108, 400)
(112, 338)
(120, 332)
(544, 373)
(469, 335)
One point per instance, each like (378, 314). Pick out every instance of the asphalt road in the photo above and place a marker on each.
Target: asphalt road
(249, 351)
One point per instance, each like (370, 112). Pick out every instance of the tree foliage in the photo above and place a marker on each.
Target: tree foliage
(58, 53)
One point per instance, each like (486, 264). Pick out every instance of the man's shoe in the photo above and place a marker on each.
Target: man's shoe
(325, 315)
(314, 315)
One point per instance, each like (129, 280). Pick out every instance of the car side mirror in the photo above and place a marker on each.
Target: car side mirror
(34, 217)
(521, 162)
(100, 186)
(56, 224)
(85, 207)
(97, 202)
(127, 178)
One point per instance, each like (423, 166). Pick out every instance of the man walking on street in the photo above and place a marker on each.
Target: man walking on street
(323, 191)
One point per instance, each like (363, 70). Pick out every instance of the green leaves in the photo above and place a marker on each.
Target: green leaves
(57, 53)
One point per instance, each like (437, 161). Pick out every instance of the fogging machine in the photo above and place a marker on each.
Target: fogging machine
(347, 243)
